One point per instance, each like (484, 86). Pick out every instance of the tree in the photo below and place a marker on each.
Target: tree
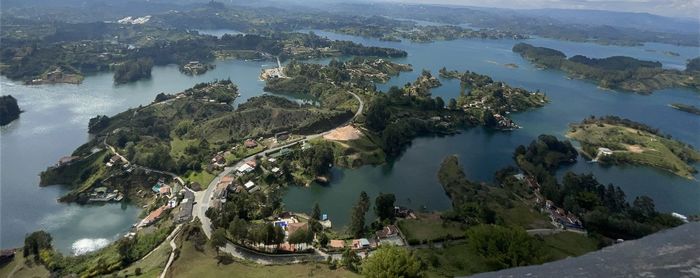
(504, 247)
(384, 206)
(452, 105)
(439, 103)
(643, 208)
(218, 239)
(238, 229)
(364, 201)
(323, 239)
(357, 221)
(316, 212)
(35, 242)
(350, 260)
(392, 261)
(298, 237)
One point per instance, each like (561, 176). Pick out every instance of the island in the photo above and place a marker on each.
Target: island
(617, 72)
(65, 52)
(9, 110)
(614, 140)
(692, 109)
(133, 70)
(195, 68)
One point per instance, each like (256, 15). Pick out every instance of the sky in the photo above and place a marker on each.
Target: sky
(674, 8)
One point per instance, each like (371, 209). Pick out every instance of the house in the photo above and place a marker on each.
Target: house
(605, 151)
(116, 159)
(152, 217)
(390, 235)
(272, 160)
(276, 171)
(252, 163)
(250, 143)
(249, 185)
(293, 227)
(336, 244)
(281, 136)
(388, 231)
(165, 190)
(361, 243)
(244, 169)
(186, 206)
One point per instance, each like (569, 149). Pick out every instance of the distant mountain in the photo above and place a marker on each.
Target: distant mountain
(644, 21)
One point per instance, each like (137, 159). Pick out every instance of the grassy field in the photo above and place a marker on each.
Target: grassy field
(636, 147)
(523, 215)
(459, 260)
(152, 265)
(193, 263)
(453, 260)
(569, 244)
(355, 153)
(202, 177)
(19, 268)
(429, 227)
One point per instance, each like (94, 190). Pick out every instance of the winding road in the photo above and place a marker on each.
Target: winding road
(203, 199)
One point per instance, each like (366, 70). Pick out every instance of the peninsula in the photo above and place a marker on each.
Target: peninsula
(692, 109)
(614, 140)
(617, 72)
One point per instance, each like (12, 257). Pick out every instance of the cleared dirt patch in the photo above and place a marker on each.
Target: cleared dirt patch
(345, 133)
(635, 148)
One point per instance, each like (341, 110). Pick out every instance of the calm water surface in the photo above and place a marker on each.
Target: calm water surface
(413, 176)
(55, 123)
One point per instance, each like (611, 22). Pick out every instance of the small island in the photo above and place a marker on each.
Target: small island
(133, 70)
(195, 68)
(692, 109)
(9, 110)
(613, 140)
(617, 72)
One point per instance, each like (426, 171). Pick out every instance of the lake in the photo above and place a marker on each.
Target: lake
(55, 123)
(413, 176)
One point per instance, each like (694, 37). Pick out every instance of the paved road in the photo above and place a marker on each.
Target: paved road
(203, 201)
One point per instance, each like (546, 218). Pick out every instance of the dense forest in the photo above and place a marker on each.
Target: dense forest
(133, 70)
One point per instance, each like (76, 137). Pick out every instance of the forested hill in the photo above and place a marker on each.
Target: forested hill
(616, 72)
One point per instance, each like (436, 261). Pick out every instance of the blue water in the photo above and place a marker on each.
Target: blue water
(55, 123)
(413, 176)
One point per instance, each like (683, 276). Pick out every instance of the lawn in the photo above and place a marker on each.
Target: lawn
(202, 177)
(193, 263)
(429, 227)
(569, 244)
(523, 215)
(22, 269)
